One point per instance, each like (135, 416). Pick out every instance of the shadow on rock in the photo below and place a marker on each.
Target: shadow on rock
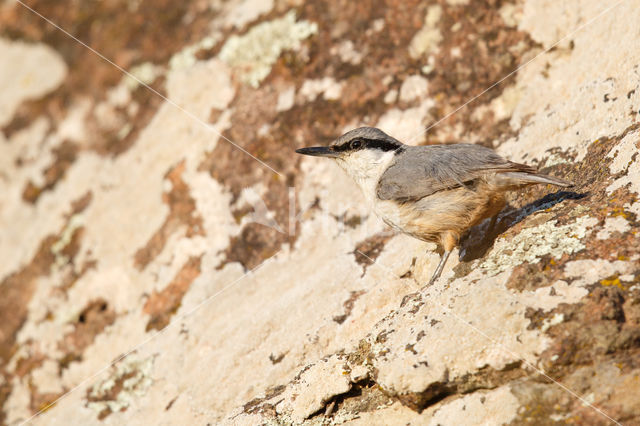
(480, 239)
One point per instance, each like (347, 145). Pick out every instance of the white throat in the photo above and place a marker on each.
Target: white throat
(366, 167)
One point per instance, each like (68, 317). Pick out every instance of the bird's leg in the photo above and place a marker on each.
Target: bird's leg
(443, 260)
(449, 241)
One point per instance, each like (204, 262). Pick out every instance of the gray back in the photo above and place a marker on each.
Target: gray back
(420, 171)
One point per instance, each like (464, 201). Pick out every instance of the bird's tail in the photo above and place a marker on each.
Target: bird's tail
(525, 177)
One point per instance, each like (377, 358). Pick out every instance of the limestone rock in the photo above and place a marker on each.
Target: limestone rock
(168, 259)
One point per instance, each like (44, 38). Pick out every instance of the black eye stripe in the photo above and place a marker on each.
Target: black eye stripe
(383, 145)
(342, 148)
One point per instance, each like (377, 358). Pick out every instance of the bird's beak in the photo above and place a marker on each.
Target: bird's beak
(318, 151)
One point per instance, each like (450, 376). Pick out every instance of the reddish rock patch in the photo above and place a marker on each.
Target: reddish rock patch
(486, 52)
(162, 305)
(368, 250)
(18, 288)
(17, 291)
(63, 157)
(91, 321)
(602, 330)
(24, 366)
(122, 35)
(348, 306)
(595, 330)
(255, 244)
(182, 213)
(592, 178)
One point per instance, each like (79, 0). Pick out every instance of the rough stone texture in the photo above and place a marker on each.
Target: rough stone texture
(137, 231)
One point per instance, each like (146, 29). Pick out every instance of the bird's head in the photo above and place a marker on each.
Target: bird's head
(360, 152)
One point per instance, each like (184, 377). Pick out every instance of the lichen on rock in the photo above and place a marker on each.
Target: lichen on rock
(253, 54)
(129, 380)
(530, 244)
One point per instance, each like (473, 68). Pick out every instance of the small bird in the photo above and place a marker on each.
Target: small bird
(434, 193)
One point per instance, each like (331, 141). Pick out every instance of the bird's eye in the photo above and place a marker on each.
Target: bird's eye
(356, 144)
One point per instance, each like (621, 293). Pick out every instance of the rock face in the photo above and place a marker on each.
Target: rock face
(168, 259)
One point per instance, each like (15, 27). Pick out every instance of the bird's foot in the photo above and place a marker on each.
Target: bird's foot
(440, 267)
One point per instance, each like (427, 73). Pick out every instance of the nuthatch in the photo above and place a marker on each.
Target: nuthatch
(433, 193)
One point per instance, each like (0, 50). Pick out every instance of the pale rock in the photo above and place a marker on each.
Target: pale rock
(511, 14)
(625, 160)
(230, 323)
(286, 99)
(309, 397)
(327, 87)
(27, 71)
(495, 407)
(391, 96)
(429, 37)
(612, 225)
(414, 87)
(240, 13)
(348, 53)
(407, 125)
(582, 76)
(143, 74)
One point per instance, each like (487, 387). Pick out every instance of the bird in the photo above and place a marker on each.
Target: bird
(434, 193)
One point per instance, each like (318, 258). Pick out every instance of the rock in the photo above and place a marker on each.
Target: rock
(173, 261)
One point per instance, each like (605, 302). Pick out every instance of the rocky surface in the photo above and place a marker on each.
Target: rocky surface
(167, 259)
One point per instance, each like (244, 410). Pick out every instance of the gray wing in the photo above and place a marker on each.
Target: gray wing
(420, 171)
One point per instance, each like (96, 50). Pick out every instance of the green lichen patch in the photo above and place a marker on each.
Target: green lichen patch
(567, 223)
(129, 380)
(253, 54)
(531, 244)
